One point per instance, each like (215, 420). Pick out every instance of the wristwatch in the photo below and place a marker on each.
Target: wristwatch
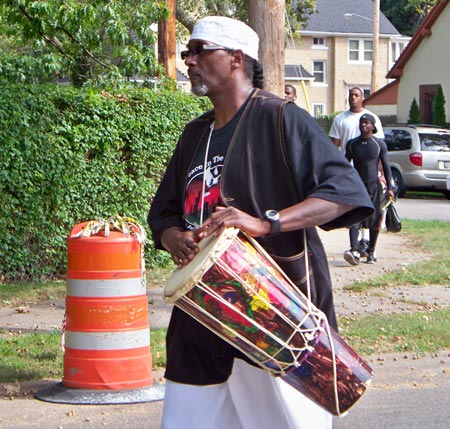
(274, 218)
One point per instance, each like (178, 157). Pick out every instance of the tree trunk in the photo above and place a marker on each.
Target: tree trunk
(267, 18)
(167, 41)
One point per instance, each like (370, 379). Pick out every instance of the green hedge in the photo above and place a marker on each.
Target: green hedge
(70, 155)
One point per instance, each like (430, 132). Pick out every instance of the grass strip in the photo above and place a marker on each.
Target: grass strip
(39, 356)
(412, 332)
(434, 238)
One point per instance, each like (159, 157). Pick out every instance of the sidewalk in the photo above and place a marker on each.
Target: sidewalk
(394, 251)
(402, 385)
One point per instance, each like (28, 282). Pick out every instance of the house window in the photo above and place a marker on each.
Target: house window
(396, 49)
(319, 42)
(318, 109)
(319, 72)
(360, 50)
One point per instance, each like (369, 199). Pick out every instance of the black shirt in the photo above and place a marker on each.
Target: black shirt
(365, 154)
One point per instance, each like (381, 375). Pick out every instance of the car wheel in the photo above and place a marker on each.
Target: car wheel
(399, 186)
(447, 194)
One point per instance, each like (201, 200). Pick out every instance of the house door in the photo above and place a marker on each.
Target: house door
(427, 94)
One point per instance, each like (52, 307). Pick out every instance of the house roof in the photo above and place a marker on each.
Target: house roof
(330, 17)
(423, 31)
(296, 72)
(387, 95)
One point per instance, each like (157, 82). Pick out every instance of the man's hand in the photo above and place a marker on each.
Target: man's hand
(182, 245)
(224, 217)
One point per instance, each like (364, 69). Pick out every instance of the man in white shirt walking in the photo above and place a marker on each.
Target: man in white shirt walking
(345, 126)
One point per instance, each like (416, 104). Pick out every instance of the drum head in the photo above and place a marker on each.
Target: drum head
(183, 280)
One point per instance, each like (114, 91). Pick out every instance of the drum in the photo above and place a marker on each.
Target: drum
(235, 289)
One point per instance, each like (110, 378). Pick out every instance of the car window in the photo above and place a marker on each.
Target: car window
(435, 142)
(397, 139)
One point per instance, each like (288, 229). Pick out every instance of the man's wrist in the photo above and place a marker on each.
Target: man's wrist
(274, 219)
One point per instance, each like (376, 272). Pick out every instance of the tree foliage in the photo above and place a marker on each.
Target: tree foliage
(414, 113)
(189, 11)
(439, 114)
(406, 15)
(107, 39)
(86, 39)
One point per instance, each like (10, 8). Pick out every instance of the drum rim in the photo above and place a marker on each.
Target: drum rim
(218, 245)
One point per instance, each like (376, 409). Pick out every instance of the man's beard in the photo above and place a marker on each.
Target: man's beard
(200, 89)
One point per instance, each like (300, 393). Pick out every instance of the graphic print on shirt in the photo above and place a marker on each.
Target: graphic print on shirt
(194, 194)
(217, 150)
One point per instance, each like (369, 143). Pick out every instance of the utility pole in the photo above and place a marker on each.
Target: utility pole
(376, 37)
(267, 18)
(167, 41)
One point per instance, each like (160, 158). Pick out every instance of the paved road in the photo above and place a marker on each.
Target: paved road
(424, 208)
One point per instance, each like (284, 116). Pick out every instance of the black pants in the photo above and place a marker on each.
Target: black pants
(373, 222)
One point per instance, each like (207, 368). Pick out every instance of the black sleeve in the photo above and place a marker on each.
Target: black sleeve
(320, 170)
(348, 151)
(385, 163)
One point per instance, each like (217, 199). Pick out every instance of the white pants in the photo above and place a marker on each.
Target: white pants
(251, 399)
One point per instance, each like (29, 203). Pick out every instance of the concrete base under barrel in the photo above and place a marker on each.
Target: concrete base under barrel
(66, 395)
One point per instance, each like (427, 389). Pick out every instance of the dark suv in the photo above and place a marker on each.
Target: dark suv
(419, 156)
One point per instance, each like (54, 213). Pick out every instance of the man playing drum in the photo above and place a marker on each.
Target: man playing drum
(261, 164)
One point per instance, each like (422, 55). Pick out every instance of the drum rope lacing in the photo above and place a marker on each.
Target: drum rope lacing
(277, 367)
(308, 335)
(214, 259)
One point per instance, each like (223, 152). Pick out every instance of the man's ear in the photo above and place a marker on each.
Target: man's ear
(237, 59)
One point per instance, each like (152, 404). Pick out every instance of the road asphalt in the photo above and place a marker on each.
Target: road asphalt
(408, 391)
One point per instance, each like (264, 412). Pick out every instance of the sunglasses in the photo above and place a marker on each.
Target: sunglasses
(200, 49)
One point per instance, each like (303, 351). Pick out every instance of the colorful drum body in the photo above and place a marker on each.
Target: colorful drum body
(236, 290)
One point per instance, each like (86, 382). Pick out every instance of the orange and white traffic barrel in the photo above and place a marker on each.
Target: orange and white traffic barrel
(106, 332)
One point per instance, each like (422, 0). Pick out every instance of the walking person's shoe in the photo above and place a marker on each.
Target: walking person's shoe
(363, 247)
(371, 258)
(352, 257)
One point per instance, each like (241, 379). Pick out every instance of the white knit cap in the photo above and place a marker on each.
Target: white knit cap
(227, 32)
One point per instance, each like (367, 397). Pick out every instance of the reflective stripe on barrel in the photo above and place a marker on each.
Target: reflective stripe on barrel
(107, 341)
(117, 287)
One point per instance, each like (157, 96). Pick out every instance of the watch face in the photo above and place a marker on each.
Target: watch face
(272, 215)
(274, 218)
